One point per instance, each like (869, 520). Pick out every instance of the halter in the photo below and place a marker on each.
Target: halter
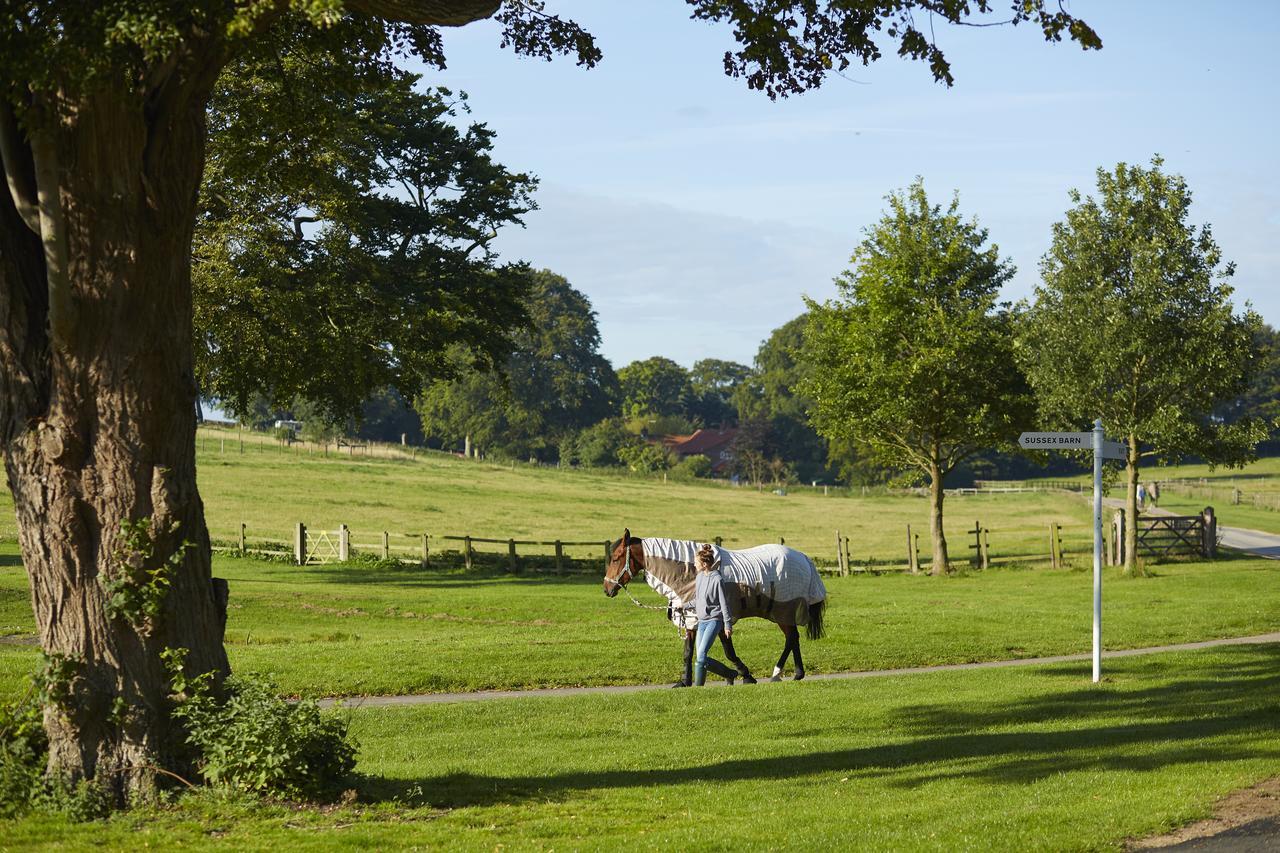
(626, 567)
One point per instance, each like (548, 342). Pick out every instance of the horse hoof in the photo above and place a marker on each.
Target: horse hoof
(679, 684)
(747, 679)
(776, 678)
(799, 675)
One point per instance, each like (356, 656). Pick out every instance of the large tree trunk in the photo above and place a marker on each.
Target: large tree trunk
(1131, 510)
(940, 563)
(98, 421)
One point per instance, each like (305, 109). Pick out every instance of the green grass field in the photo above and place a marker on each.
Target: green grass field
(1035, 759)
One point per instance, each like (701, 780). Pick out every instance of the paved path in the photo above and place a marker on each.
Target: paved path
(485, 695)
(1237, 538)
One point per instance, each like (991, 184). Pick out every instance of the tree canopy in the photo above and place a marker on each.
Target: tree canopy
(337, 262)
(553, 384)
(914, 361)
(655, 387)
(1133, 323)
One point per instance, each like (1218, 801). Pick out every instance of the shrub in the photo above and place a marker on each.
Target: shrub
(691, 468)
(23, 749)
(254, 741)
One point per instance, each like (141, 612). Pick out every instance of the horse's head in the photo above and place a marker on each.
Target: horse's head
(626, 561)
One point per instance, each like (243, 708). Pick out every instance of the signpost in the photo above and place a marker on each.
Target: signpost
(1102, 449)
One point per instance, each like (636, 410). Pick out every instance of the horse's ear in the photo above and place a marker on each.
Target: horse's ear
(626, 535)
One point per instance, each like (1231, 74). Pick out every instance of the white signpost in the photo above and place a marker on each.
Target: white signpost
(1102, 449)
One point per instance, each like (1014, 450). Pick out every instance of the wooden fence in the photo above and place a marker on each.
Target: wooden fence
(1232, 494)
(1166, 535)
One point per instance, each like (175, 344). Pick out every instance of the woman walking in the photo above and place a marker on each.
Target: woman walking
(714, 606)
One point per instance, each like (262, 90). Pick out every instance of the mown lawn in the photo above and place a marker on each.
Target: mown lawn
(356, 630)
(1027, 759)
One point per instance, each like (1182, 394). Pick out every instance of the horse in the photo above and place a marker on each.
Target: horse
(773, 582)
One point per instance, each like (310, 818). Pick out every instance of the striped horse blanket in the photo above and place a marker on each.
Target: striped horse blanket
(772, 581)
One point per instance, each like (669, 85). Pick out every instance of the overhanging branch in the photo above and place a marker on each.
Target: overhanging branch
(440, 13)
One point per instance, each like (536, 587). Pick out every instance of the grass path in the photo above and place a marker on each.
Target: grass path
(489, 695)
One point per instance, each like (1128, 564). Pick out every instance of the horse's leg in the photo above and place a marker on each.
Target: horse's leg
(688, 660)
(795, 649)
(727, 642)
(787, 631)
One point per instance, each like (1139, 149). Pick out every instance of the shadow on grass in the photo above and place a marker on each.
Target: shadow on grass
(10, 561)
(1184, 722)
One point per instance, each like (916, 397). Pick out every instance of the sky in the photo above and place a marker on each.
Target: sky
(696, 214)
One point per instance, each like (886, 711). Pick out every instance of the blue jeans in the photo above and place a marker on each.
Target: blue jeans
(708, 630)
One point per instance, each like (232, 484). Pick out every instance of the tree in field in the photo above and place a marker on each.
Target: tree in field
(914, 362)
(1133, 324)
(654, 387)
(103, 132)
(555, 383)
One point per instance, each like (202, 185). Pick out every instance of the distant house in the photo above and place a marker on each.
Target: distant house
(715, 444)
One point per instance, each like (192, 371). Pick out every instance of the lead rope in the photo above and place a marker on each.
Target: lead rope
(669, 608)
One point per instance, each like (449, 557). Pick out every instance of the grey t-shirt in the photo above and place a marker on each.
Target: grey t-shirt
(712, 598)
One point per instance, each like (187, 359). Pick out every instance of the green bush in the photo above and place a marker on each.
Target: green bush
(691, 468)
(254, 741)
(23, 751)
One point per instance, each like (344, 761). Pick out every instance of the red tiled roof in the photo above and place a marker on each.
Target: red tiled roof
(704, 441)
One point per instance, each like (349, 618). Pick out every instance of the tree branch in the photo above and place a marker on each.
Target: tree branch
(17, 169)
(440, 13)
(297, 225)
(53, 235)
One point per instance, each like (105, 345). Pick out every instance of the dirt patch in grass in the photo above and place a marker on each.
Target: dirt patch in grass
(1243, 807)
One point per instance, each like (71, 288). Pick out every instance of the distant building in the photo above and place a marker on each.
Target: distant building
(715, 444)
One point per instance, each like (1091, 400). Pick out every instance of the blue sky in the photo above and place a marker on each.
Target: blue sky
(695, 214)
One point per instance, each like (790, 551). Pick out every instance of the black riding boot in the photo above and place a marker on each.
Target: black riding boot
(688, 661)
(721, 670)
(727, 643)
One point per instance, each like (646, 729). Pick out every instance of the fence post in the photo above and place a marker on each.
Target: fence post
(559, 557)
(1117, 538)
(1209, 534)
(344, 543)
(911, 560)
(466, 551)
(511, 555)
(426, 552)
(608, 551)
(839, 553)
(985, 551)
(242, 548)
(386, 546)
(1235, 497)
(847, 570)
(300, 544)
(718, 540)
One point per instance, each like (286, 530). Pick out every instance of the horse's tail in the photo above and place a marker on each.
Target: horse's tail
(817, 629)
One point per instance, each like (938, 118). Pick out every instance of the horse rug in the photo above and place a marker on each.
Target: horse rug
(773, 581)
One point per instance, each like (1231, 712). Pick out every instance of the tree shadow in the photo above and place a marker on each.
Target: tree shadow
(11, 561)
(1186, 721)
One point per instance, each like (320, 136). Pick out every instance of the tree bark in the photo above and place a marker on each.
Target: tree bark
(1131, 510)
(940, 563)
(99, 428)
